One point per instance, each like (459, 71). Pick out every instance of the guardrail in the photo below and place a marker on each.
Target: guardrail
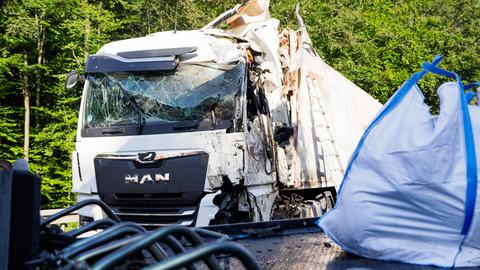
(71, 218)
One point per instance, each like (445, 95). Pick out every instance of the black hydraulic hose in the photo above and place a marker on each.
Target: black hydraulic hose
(156, 250)
(106, 248)
(98, 224)
(100, 238)
(198, 253)
(125, 228)
(77, 206)
(174, 244)
(208, 233)
(177, 248)
(159, 235)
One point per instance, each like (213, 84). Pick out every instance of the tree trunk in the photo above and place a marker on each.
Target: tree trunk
(26, 105)
(86, 40)
(40, 61)
(148, 16)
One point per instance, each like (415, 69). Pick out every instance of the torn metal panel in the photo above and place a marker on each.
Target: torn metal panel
(227, 160)
(262, 200)
(207, 210)
(307, 168)
(291, 74)
(282, 167)
(321, 101)
(250, 12)
(263, 38)
(260, 167)
(232, 204)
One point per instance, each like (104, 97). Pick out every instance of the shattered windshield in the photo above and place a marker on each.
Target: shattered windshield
(196, 91)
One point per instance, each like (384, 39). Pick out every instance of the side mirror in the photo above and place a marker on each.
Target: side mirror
(72, 79)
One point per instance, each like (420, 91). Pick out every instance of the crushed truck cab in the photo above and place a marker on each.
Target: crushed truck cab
(213, 126)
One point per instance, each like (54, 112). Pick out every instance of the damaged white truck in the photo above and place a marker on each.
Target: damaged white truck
(215, 126)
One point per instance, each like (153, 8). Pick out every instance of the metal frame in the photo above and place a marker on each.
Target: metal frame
(77, 206)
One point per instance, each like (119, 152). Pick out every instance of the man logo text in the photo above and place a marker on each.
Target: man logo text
(146, 178)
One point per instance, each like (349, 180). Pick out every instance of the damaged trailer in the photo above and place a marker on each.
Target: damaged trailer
(214, 126)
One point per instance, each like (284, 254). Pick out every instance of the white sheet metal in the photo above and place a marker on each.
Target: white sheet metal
(328, 111)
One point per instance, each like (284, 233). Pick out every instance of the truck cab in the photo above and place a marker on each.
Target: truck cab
(163, 132)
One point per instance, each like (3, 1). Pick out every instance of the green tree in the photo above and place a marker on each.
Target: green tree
(41, 44)
(378, 44)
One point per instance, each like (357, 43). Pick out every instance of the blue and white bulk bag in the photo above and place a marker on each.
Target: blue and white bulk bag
(409, 192)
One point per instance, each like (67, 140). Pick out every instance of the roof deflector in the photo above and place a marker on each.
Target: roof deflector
(157, 52)
(104, 63)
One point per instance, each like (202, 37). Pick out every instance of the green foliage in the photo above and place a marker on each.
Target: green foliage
(377, 44)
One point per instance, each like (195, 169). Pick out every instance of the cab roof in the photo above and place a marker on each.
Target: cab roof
(191, 46)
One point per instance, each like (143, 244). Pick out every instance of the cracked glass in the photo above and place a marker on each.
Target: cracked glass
(194, 91)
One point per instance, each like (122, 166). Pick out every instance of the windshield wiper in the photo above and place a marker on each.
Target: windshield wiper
(213, 117)
(206, 107)
(130, 101)
(113, 131)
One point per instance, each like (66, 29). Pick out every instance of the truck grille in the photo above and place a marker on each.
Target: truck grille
(158, 216)
(156, 201)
